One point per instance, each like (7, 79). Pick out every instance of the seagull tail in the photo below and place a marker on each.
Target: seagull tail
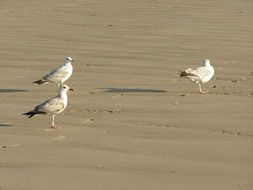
(185, 74)
(32, 113)
(39, 82)
(182, 73)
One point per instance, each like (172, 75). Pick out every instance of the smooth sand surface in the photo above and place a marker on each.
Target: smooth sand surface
(131, 123)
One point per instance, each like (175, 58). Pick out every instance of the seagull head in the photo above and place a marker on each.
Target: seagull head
(206, 62)
(65, 88)
(68, 59)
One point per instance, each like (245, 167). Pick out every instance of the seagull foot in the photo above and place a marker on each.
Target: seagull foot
(53, 127)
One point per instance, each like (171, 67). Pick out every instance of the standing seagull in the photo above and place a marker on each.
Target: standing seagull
(201, 74)
(52, 106)
(58, 75)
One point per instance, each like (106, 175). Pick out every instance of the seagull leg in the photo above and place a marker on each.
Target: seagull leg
(53, 124)
(60, 84)
(200, 90)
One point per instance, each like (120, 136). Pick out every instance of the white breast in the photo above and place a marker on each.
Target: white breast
(70, 71)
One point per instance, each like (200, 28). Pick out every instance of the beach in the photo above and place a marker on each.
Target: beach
(131, 123)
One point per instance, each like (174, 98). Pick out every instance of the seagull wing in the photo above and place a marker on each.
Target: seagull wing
(51, 106)
(56, 75)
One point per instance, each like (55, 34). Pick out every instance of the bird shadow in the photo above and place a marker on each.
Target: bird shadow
(6, 90)
(131, 90)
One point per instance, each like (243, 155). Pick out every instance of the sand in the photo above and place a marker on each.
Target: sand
(131, 123)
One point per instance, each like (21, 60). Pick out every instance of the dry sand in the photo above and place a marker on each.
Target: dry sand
(131, 123)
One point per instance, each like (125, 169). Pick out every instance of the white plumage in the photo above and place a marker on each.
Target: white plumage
(199, 75)
(52, 106)
(58, 75)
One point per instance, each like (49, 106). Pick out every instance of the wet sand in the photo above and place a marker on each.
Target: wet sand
(131, 122)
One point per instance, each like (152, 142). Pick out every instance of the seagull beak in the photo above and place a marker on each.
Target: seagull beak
(71, 89)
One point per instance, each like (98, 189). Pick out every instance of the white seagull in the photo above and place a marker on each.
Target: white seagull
(58, 75)
(199, 75)
(52, 106)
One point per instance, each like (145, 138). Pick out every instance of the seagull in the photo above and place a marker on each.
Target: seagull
(199, 75)
(52, 106)
(58, 75)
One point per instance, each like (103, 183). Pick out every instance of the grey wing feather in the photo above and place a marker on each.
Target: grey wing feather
(53, 105)
(56, 74)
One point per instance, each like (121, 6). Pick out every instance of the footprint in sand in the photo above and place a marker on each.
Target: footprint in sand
(5, 124)
(174, 103)
(86, 121)
(61, 137)
(117, 95)
(10, 145)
